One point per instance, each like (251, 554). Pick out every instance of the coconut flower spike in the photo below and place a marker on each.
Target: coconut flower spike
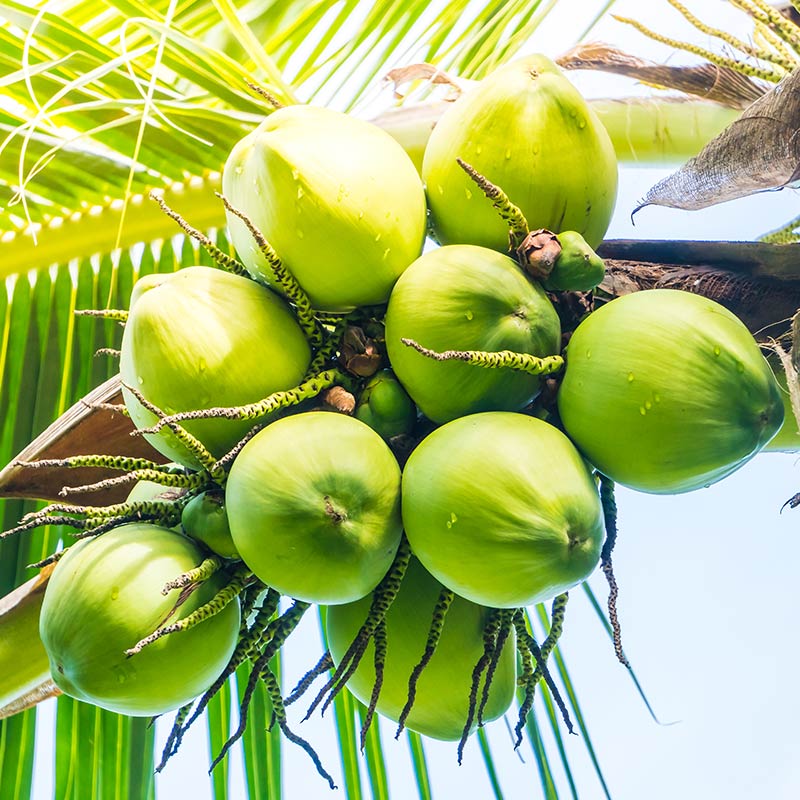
(284, 279)
(510, 214)
(521, 362)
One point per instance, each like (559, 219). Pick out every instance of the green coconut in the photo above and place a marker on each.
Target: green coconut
(502, 509)
(463, 297)
(337, 198)
(667, 391)
(205, 520)
(200, 338)
(313, 506)
(528, 130)
(105, 596)
(578, 268)
(385, 406)
(442, 698)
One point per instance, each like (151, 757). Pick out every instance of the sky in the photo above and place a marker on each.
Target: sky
(708, 586)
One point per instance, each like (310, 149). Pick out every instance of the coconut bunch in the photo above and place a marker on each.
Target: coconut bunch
(399, 436)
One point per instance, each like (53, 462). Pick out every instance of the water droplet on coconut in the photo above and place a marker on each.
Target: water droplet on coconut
(478, 149)
(508, 154)
(299, 192)
(239, 170)
(642, 410)
(468, 193)
(115, 592)
(295, 174)
(377, 237)
(656, 397)
(440, 188)
(361, 215)
(453, 518)
(582, 123)
(648, 405)
(469, 315)
(630, 377)
(141, 380)
(386, 253)
(202, 365)
(588, 354)
(717, 351)
(299, 233)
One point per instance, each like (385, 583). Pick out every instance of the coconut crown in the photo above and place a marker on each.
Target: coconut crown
(526, 129)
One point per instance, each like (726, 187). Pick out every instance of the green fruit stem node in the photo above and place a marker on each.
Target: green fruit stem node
(521, 362)
(510, 214)
(220, 258)
(443, 604)
(205, 570)
(220, 600)
(284, 279)
(191, 443)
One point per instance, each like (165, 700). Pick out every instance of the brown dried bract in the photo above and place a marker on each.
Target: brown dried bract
(539, 252)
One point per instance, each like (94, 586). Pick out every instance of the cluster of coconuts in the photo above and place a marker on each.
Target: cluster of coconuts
(444, 354)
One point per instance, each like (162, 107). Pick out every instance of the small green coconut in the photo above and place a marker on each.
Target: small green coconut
(578, 268)
(200, 338)
(205, 520)
(385, 406)
(105, 596)
(667, 391)
(502, 509)
(337, 198)
(442, 695)
(463, 297)
(527, 130)
(313, 506)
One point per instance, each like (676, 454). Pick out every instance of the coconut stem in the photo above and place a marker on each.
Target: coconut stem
(205, 570)
(219, 601)
(541, 667)
(170, 747)
(279, 715)
(506, 622)
(434, 634)
(522, 362)
(526, 681)
(284, 279)
(220, 258)
(118, 314)
(247, 647)
(761, 11)
(379, 661)
(278, 631)
(304, 684)
(610, 518)
(274, 402)
(490, 631)
(382, 598)
(510, 214)
(191, 443)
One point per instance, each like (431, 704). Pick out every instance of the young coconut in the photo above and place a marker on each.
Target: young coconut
(313, 505)
(527, 130)
(336, 197)
(502, 509)
(200, 338)
(667, 391)
(105, 596)
(205, 520)
(441, 701)
(468, 298)
(385, 406)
